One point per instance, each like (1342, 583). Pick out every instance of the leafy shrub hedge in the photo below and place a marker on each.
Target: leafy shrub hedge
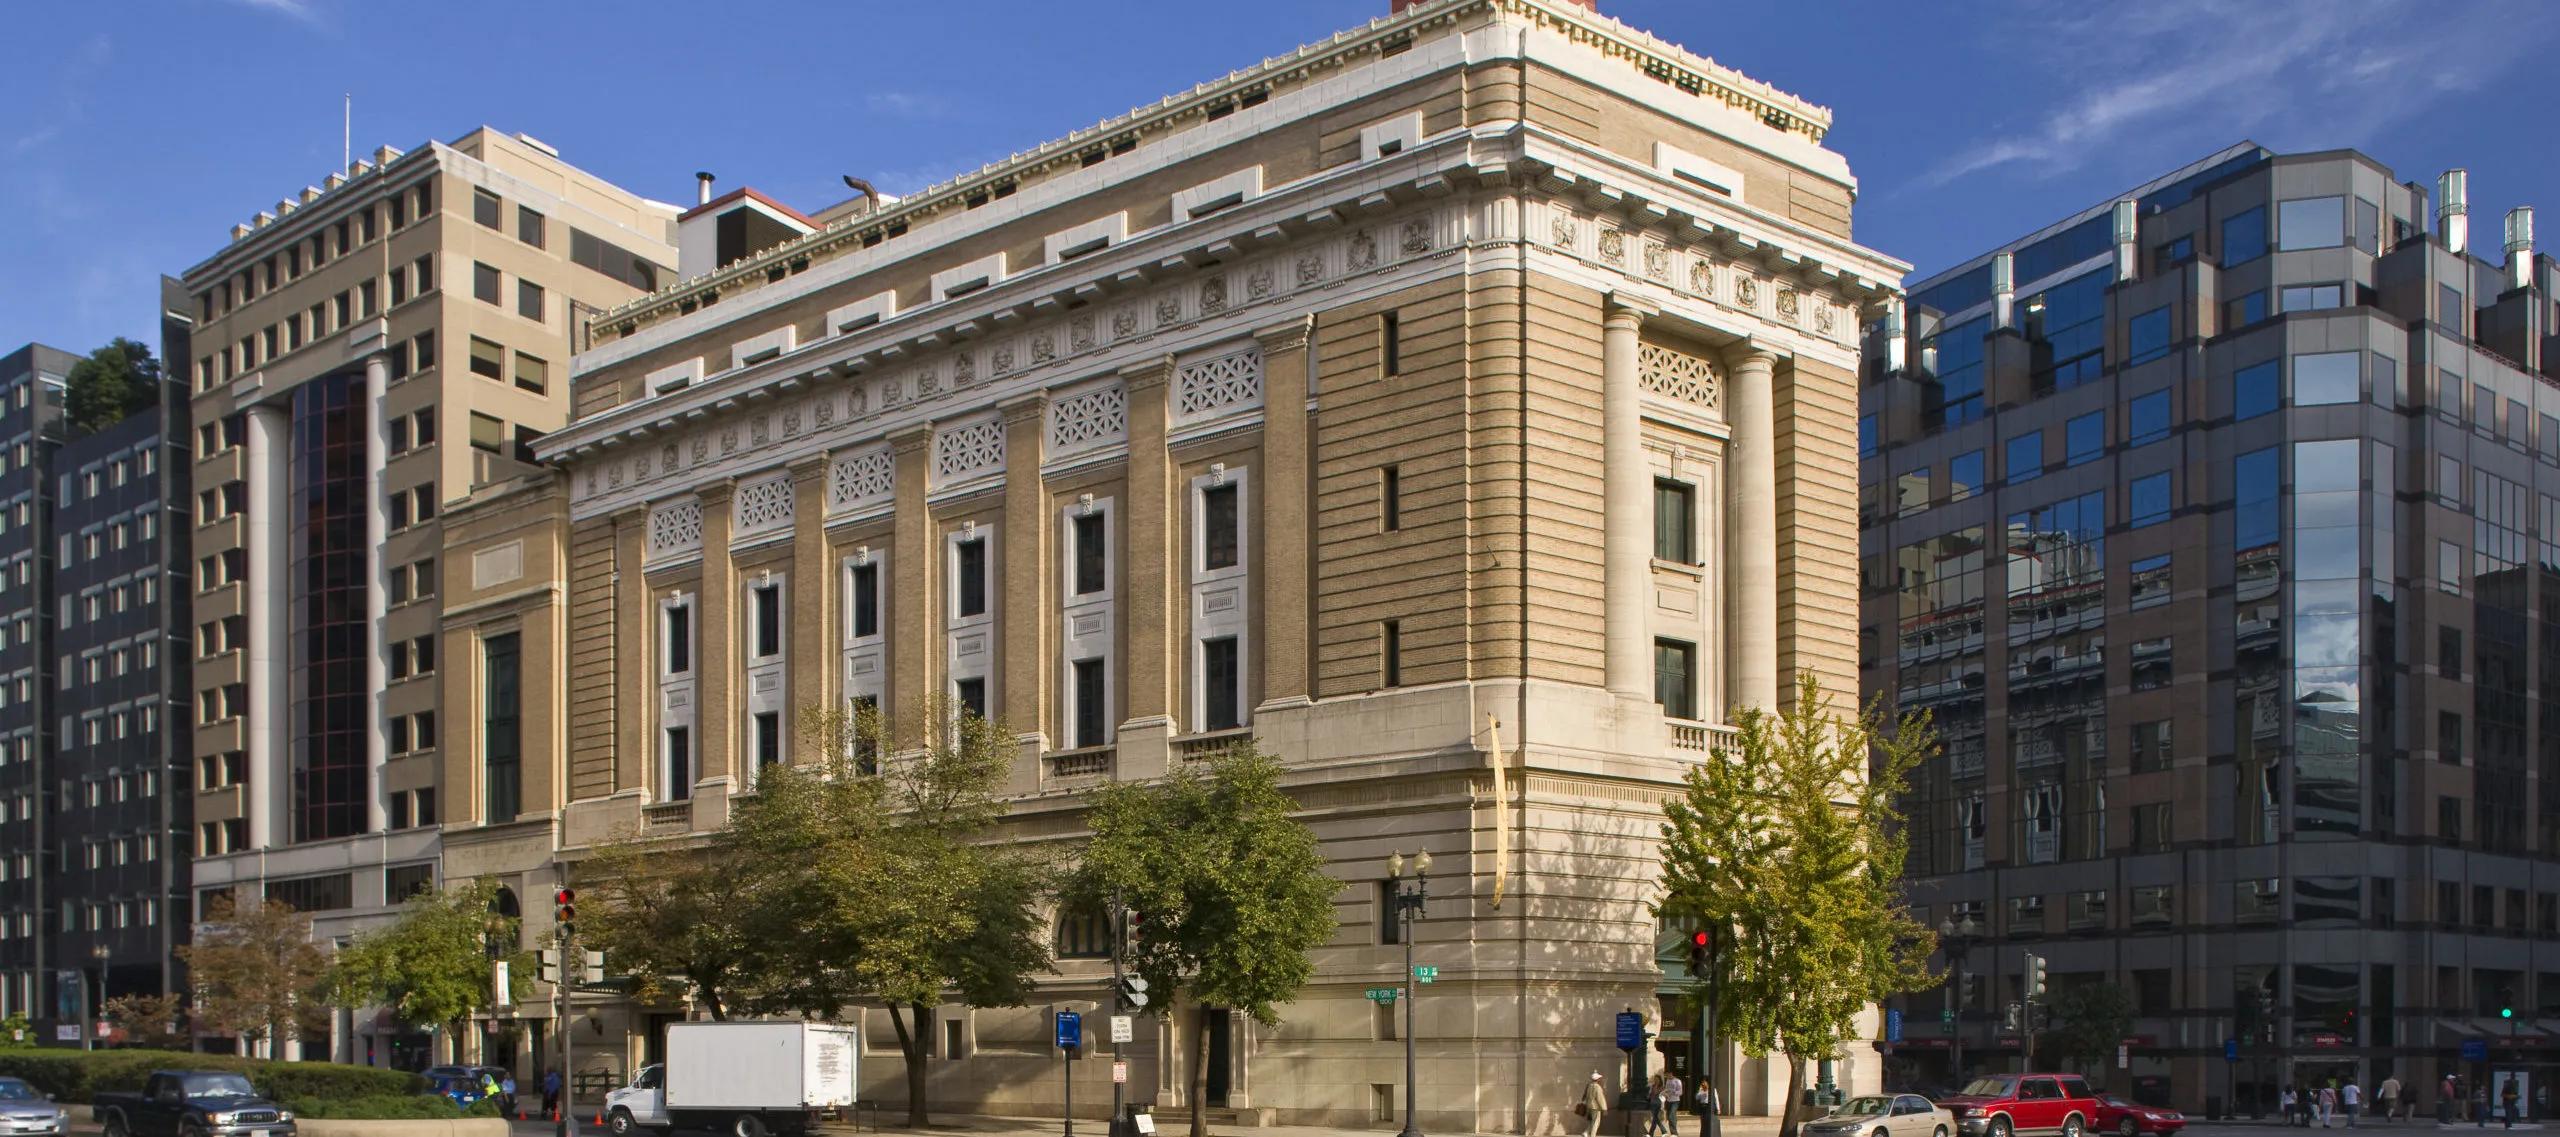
(78, 1076)
(397, 1107)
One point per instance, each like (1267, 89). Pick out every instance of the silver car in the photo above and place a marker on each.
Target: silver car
(1884, 1115)
(25, 1109)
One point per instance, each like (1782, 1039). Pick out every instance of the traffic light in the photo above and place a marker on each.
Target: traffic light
(594, 966)
(2035, 977)
(565, 912)
(1699, 942)
(2506, 1002)
(1133, 993)
(549, 971)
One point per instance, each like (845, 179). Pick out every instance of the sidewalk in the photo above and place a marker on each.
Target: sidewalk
(1178, 1124)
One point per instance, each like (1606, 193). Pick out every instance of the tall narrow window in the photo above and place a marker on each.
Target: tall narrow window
(866, 735)
(679, 639)
(973, 578)
(1222, 701)
(502, 735)
(1674, 523)
(1218, 528)
(1391, 653)
(973, 697)
(484, 208)
(866, 601)
(529, 228)
(1390, 498)
(678, 783)
(768, 738)
(1674, 665)
(768, 606)
(1091, 703)
(1390, 343)
(1092, 554)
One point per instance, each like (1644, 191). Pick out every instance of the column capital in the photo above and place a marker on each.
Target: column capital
(1627, 307)
(912, 439)
(1289, 336)
(809, 467)
(1752, 350)
(717, 491)
(1024, 408)
(1148, 375)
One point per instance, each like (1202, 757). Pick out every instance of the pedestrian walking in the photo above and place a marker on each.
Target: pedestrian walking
(1595, 1101)
(2388, 1094)
(2328, 1103)
(1671, 1091)
(507, 1096)
(1653, 1106)
(2445, 1095)
(551, 1095)
(2289, 1104)
(2349, 1097)
(1706, 1098)
(2508, 1097)
(2479, 1107)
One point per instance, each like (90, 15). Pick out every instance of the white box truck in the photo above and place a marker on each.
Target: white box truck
(745, 1079)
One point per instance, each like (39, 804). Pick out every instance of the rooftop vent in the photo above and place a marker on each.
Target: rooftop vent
(2520, 247)
(2453, 210)
(702, 180)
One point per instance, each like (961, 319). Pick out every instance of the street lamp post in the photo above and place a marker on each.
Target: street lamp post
(89, 1012)
(1955, 938)
(1408, 909)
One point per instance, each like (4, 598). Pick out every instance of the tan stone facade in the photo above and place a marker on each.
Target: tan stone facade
(1493, 362)
(368, 353)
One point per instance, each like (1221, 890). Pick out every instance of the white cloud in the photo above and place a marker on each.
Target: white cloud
(297, 9)
(2179, 76)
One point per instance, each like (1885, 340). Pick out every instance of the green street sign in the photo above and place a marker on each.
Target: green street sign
(1426, 974)
(1384, 994)
(1947, 1017)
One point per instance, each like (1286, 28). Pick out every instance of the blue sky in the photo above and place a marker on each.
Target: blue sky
(134, 133)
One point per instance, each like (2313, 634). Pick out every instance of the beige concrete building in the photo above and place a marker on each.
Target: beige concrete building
(1493, 361)
(367, 352)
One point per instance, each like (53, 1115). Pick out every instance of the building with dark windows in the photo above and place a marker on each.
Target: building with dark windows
(93, 665)
(367, 352)
(2219, 529)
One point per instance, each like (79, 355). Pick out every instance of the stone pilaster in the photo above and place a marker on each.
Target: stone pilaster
(1751, 530)
(633, 670)
(715, 724)
(1024, 635)
(1627, 487)
(266, 668)
(1147, 563)
(1288, 497)
(915, 602)
(377, 599)
(815, 633)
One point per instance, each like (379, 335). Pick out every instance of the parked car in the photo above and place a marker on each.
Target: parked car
(464, 1087)
(2024, 1105)
(191, 1103)
(2128, 1118)
(25, 1109)
(1886, 1115)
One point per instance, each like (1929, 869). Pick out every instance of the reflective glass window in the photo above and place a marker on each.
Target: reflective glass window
(2244, 237)
(2256, 390)
(2328, 377)
(2311, 223)
(2148, 500)
(2084, 438)
(2148, 335)
(2024, 458)
(2147, 418)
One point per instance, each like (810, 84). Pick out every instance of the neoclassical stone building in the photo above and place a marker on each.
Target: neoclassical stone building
(1491, 362)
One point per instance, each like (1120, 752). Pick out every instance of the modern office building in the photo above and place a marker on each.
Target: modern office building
(1491, 361)
(365, 352)
(2219, 528)
(93, 868)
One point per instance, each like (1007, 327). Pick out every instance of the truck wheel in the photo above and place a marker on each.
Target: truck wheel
(747, 1125)
(115, 1125)
(193, 1129)
(620, 1123)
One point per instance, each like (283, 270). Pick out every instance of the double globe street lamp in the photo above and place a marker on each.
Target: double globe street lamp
(1409, 903)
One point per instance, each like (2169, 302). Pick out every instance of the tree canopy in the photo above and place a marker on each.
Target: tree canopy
(435, 963)
(112, 383)
(1794, 847)
(1227, 887)
(2090, 1019)
(255, 968)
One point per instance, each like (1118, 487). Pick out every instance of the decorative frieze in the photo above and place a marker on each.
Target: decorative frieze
(1089, 420)
(1679, 375)
(967, 451)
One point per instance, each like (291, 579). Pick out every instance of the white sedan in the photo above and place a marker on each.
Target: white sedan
(1886, 1115)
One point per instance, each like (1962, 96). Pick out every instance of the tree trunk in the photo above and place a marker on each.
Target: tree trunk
(913, 1044)
(1793, 1115)
(1200, 1076)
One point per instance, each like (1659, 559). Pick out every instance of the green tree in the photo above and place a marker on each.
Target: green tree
(2090, 1021)
(1228, 888)
(256, 970)
(113, 382)
(1796, 843)
(671, 916)
(435, 963)
(155, 1022)
(880, 881)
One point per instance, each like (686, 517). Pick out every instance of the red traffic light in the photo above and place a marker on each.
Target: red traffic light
(1698, 938)
(565, 896)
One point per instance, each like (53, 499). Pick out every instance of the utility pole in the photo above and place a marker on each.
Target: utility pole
(565, 933)
(1408, 909)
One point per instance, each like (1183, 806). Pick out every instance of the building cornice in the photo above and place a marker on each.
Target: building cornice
(1668, 63)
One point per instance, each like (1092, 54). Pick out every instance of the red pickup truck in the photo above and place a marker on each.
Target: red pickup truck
(2024, 1105)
